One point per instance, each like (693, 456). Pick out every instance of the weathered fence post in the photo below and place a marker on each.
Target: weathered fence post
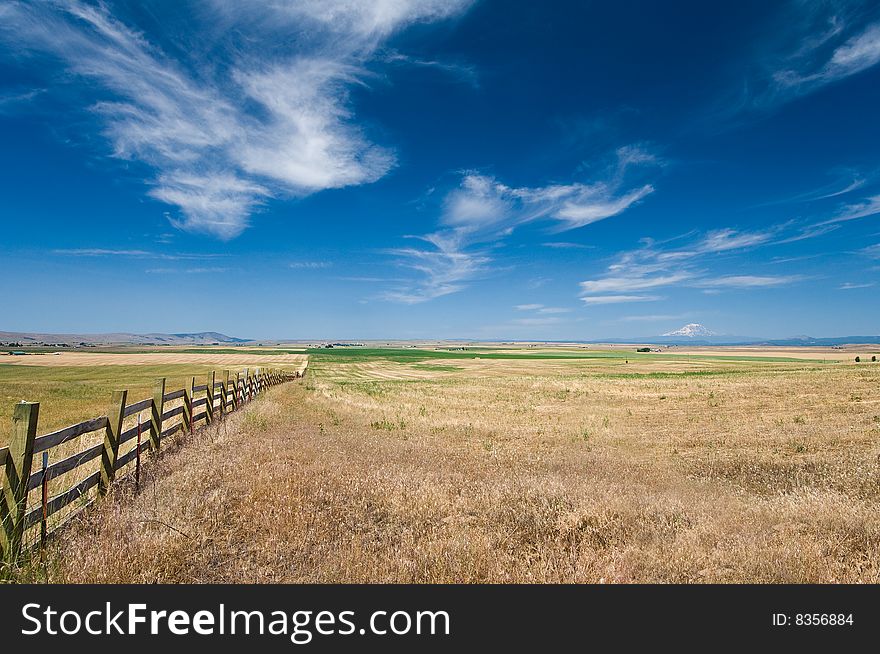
(209, 399)
(157, 408)
(16, 474)
(111, 440)
(235, 399)
(188, 406)
(247, 384)
(224, 389)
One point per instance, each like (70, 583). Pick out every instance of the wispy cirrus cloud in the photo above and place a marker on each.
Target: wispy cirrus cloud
(541, 309)
(464, 73)
(817, 66)
(482, 210)
(137, 254)
(657, 266)
(309, 265)
(868, 207)
(635, 280)
(565, 245)
(872, 251)
(618, 299)
(848, 286)
(186, 271)
(808, 46)
(748, 281)
(232, 123)
(442, 270)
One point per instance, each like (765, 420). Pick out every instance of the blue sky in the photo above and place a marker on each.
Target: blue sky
(440, 168)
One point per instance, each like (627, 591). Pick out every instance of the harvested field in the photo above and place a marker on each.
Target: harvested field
(512, 471)
(88, 359)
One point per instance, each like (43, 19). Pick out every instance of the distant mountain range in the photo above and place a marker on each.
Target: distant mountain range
(121, 338)
(697, 334)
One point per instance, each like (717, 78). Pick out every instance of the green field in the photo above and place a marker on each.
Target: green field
(412, 355)
(69, 394)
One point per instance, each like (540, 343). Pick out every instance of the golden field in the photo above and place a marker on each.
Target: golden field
(705, 467)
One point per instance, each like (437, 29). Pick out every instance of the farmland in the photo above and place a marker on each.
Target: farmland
(500, 463)
(74, 386)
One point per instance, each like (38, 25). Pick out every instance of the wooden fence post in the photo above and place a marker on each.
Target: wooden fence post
(188, 406)
(111, 440)
(209, 399)
(157, 409)
(235, 396)
(17, 472)
(224, 389)
(247, 384)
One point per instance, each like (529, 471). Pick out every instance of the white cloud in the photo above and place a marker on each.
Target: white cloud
(482, 210)
(872, 251)
(186, 271)
(850, 286)
(654, 266)
(857, 54)
(363, 22)
(867, 207)
(749, 281)
(443, 269)
(482, 202)
(722, 240)
(632, 283)
(554, 310)
(310, 265)
(138, 254)
(564, 245)
(814, 65)
(619, 299)
(236, 122)
(306, 142)
(218, 203)
(540, 308)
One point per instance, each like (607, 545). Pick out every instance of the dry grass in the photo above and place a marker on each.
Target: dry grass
(88, 359)
(532, 474)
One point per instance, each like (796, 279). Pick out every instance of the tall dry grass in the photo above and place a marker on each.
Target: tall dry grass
(535, 476)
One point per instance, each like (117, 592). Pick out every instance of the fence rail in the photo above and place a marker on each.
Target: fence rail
(19, 476)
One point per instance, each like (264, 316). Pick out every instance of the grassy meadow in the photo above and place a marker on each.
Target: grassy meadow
(513, 465)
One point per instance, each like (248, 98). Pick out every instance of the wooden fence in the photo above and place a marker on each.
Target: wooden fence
(18, 476)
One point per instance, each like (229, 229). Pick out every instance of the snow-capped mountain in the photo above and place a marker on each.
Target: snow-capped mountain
(692, 330)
